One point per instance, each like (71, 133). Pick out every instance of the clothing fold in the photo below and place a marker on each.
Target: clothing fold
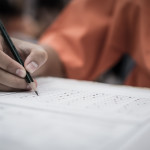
(90, 37)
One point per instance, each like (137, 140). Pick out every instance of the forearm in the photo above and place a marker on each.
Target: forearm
(53, 65)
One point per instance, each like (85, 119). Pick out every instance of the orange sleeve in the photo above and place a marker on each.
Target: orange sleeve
(78, 36)
(90, 36)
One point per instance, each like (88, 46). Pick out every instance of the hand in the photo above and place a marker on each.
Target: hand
(11, 72)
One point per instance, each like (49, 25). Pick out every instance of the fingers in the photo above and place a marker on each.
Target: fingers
(5, 88)
(12, 81)
(35, 60)
(11, 66)
(34, 55)
(12, 73)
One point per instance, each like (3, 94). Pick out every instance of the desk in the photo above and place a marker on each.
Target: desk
(75, 115)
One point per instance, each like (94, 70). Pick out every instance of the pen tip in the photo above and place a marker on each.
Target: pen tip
(36, 93)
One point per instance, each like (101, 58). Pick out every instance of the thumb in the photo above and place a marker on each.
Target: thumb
(35, 60)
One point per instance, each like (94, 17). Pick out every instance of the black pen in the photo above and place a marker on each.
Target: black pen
(17, 57)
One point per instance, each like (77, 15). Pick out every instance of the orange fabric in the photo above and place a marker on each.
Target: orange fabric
(90, 36)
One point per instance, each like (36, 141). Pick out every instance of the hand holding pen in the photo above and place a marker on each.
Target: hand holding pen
(16, 67)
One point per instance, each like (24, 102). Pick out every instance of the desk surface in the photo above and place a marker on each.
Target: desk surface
(71, 115)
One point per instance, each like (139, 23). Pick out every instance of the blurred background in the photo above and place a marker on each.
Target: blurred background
(27, 19)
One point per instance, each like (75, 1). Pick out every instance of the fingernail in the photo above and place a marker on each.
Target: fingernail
(21, 73)
(31, 67)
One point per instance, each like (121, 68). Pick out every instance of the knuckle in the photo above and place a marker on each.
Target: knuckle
(8, 66)
(40, 56)
(43, 56)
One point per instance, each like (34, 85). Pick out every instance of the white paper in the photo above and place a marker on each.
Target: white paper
(71, 115)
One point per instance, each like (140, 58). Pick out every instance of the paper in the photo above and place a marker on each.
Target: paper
(71, 114)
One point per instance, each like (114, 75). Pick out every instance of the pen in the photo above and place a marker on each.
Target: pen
(17, 57)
